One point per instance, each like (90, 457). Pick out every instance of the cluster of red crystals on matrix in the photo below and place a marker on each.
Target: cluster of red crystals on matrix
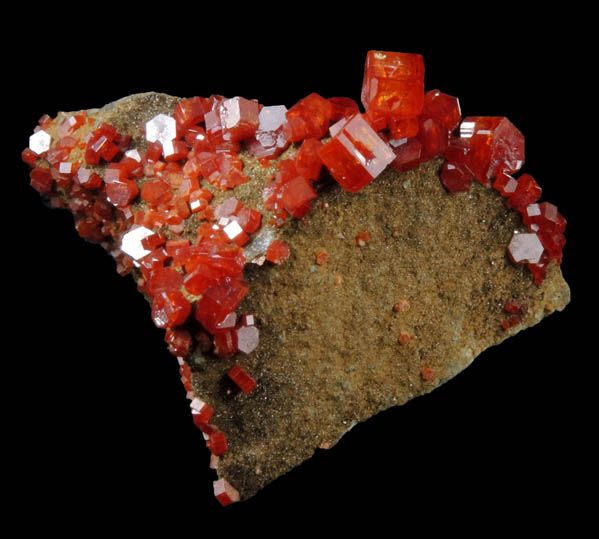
(137, 205)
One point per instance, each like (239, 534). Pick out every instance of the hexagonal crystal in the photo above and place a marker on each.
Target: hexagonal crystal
(39, 142)
(161, 128)
(131, 242)
(525, 248)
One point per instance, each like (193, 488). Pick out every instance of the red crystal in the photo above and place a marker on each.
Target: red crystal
(455, 178)
(243, 380)
(249, 219)
(29, 156)
(309, 117)
(121, 193)
(270, 138)
(156, 192)
(225, 344)
(495, 146)
(179, 342)
(238, 118)
(202, 412)
(163, 279)
(527, 191)
(545, 216)
(170, 309)
(549, 224)
(191, 111)
(41, 179)
(539, 270)
(225, 493)
(218, 301)
(343, 107)
(217, 443)
(515, 307)
(407, 153)
(403, 127)
(362, 238)
(393, 84)
(152, 242)
(356, 155)
(321, 257)
(174, 150)
(505, 184)
(434, 138)
(277, 252)
(88, 179)
(442, 108)
(307, 160)
(296, 193)
(229, 206)
(202, 278)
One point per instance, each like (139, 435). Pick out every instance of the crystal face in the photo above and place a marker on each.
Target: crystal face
(525, 248)
(161, 128)
(393, 85)
(39, 142)
(131, 242)
(356, 154)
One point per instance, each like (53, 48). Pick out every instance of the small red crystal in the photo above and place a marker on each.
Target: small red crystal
(179, 341)
(225, 344)
(277, 252)
(202, 412)
(121, 193)
(495, 146)
(218, 301)
(407, 152)
(307, 160)
(442, 108)
(514, 307)
(455, 178)
(527, 191)
(191, 111)
(238, 117)
(249, 219)
(309, 117)
(163, 279)
(217, 443)
(505, 184)
(296, 193)
(225, 493)
(434, 138)
(170, 309)
(245, 382)
(343, 107)
(41, 179)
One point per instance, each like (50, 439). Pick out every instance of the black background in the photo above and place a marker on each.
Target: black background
(105, 429)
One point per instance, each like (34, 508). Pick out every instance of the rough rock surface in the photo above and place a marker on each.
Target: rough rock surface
(329, 353)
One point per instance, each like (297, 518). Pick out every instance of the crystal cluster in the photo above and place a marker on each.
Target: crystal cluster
(139, 204)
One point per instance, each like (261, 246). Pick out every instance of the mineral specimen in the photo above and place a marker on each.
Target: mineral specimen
(392, 289)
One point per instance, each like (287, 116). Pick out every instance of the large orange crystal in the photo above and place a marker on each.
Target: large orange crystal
(393, 85)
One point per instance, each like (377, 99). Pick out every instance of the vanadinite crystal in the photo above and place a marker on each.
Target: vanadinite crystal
(495, 146)
(356, 154)
(180, 214)
(393, 86)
